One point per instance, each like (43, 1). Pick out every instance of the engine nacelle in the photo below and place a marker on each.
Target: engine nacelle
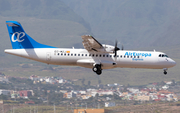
(108, 48)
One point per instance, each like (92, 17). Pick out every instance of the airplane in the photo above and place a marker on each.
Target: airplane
(96, 56)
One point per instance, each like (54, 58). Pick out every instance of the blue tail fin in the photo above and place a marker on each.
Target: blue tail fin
(19, 39)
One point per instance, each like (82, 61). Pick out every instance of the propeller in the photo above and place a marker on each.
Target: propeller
(116, 48)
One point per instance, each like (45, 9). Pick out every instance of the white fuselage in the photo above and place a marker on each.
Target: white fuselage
(83, 58)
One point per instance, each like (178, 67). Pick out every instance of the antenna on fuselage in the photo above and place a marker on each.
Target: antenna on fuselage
(122, 47)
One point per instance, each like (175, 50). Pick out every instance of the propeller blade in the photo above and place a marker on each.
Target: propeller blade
(116, 48)
(116, 43)
(115, 53)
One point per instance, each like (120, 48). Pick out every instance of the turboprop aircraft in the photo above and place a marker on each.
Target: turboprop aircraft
(96, 56)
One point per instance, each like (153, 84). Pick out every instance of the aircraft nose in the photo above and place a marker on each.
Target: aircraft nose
(172, 62)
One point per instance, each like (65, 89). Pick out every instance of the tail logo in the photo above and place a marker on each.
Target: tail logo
(19, 37)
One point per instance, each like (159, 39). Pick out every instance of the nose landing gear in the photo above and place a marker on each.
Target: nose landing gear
(97, 69)
(165, 71)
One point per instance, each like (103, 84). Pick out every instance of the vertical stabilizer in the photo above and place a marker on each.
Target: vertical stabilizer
(19, 39)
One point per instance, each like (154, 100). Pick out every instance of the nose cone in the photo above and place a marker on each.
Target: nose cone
(172, 63)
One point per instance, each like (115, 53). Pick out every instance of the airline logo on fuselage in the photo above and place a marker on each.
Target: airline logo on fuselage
(138, 54)
(19, 37)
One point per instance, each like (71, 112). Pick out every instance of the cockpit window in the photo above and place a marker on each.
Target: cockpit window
(165, 56)
(162, 55)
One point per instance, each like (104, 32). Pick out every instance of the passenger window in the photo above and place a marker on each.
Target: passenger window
(117, 55)
(89, 54)
(131, 56)
(138, 56)
(124, 56)
(96, 55)
(86, 55)
(121, 56)
(110, 55)
(68, 54)
(103, 55)
(58, 53)
(162, 55)
(61, 54)
(82, 54)
(64, 54)
(71, 54)
(134, 56)
(127, 56)
(107, 55)
(78, 54)
(93, 55)
(159, 55)
(99, 55)
(74, 54)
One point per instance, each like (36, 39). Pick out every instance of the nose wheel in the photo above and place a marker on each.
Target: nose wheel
(97, 69)
(165, 71)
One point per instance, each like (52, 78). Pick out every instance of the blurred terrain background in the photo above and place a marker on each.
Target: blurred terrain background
(137, 25)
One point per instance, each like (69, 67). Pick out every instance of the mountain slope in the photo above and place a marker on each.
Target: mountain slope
(43, 9)
(135, 23)
(48, 22)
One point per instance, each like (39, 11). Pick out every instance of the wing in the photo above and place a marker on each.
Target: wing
(91, 44)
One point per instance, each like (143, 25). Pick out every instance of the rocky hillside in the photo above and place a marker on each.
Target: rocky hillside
(135, 23)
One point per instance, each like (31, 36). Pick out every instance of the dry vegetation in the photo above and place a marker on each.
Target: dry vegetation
(144, 108)
(148, 108)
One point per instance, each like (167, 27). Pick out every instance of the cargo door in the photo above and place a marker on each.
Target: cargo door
(48, 56)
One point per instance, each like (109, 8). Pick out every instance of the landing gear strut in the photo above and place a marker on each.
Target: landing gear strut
(97, 69)
(165, 71)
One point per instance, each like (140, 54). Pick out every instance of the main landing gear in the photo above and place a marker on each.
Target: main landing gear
(97, 69)
(165, 71)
